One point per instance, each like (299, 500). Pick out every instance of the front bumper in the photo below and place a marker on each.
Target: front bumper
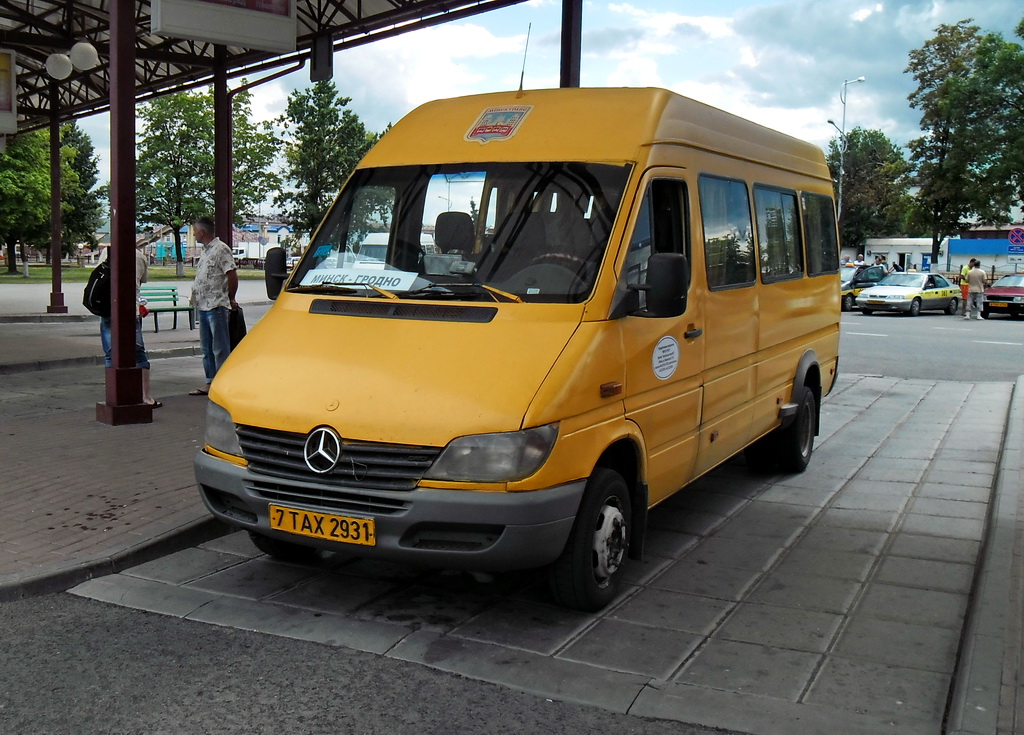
(448, 529)
(884, 305)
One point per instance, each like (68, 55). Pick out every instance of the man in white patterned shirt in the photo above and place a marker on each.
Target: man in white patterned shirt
(213, 295)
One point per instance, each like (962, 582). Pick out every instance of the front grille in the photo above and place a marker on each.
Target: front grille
(363, 465)
(328, 498)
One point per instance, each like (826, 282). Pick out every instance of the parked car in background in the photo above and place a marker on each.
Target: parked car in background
(910, 293)
(851, 284)
(1005, 296)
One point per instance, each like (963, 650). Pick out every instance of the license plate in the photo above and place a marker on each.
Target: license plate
(875, 301)
(1000, 304)
(327, 526)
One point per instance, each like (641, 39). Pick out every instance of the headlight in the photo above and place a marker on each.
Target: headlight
(220, 430)
(495, 457)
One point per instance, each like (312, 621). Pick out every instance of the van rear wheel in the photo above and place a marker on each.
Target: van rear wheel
(795, 443)
(585, 576)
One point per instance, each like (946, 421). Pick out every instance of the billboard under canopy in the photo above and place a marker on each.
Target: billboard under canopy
(8, 94)
(267, 25)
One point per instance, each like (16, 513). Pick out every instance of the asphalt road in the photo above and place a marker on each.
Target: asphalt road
(75, 666)
(933, 346)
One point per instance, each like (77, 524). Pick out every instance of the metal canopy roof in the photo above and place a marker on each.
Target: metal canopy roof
(37, 28)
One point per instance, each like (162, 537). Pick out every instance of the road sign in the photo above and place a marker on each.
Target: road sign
(1015, 248)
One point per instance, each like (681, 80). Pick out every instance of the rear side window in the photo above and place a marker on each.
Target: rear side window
(728, 234)
(778, 234)
(820, 233)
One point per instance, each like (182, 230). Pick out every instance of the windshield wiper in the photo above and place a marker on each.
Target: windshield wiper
(450, 291)
(346, 287)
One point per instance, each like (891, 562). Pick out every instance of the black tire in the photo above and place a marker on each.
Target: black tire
(795, 443)
(915, 308)
(953, 306)
(283, 550)
(762, 456)
(585, 576)
(848, 302)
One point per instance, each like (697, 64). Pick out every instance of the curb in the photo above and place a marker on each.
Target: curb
(992, 633)
(61, 576)
(37, 365)
(38, 318)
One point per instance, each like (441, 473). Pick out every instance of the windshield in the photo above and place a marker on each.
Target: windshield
(499, 231)
(1005, 281)
(911, 280)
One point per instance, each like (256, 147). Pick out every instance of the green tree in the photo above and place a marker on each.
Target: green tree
(323, 142)
(24, 194)
(996, 117)
(254, 149)
(174, 163)
(875, 186)
(83, 200)
(946, 158)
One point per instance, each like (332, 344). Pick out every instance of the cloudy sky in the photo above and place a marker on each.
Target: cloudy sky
(779, 62)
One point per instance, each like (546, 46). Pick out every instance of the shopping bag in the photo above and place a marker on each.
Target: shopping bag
(236, 326)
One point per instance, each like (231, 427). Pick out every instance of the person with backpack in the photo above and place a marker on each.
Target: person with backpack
(98, 300)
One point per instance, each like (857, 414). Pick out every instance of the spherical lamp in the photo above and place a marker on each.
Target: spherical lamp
(59, 66)
(83, 56)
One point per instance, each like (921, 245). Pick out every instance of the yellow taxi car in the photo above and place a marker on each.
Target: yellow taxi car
(910, 293)
(851, 283)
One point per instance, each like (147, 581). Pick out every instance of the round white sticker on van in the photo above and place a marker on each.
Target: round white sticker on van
(665, 359)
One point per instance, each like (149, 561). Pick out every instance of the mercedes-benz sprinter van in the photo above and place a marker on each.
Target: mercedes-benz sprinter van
(527, 319)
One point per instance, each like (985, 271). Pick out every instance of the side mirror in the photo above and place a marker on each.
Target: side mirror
(275, 271)
(667, 277)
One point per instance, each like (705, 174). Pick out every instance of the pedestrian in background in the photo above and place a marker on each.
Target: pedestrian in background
(141, 356)
(976, 290)
(213, 295)
(964, 292)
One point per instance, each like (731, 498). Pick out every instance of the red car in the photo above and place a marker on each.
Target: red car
(1005, 296)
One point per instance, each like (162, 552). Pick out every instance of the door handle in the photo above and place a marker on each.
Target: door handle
(692, 333)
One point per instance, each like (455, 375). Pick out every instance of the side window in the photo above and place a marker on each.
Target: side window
(778, 234)
(661, 227)
(728, 235)
(820, 233)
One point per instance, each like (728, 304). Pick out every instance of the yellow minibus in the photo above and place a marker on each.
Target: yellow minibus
(527, 319)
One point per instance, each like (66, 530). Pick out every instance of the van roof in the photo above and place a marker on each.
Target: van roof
(609, 124)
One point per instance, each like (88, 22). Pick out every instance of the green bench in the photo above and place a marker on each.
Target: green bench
(164, 299)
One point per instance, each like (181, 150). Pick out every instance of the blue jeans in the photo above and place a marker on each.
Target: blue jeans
(141, 358)
(214, 339)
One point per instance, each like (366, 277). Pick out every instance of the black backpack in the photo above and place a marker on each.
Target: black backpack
(97, 291)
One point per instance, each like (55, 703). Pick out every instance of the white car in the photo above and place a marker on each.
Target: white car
(910, 293)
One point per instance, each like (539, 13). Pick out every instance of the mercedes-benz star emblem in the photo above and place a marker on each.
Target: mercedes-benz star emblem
(322, 450)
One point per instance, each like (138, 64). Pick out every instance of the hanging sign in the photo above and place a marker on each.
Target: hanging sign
(267, 25)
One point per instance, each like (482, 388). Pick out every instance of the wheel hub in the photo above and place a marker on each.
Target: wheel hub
(609, 542)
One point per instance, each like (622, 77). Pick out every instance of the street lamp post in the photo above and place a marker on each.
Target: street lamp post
(842, 143)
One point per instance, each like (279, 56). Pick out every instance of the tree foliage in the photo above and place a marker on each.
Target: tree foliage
(25, 193)
(83, 200)
(174, 162)
(323, 142)
(254, 149)
(996, 118)
(946, 157)
(875, 186)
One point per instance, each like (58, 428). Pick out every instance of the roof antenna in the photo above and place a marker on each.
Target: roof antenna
(525, 49)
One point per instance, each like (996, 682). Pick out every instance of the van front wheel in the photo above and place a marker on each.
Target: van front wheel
(796, 442)
(585, 576)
